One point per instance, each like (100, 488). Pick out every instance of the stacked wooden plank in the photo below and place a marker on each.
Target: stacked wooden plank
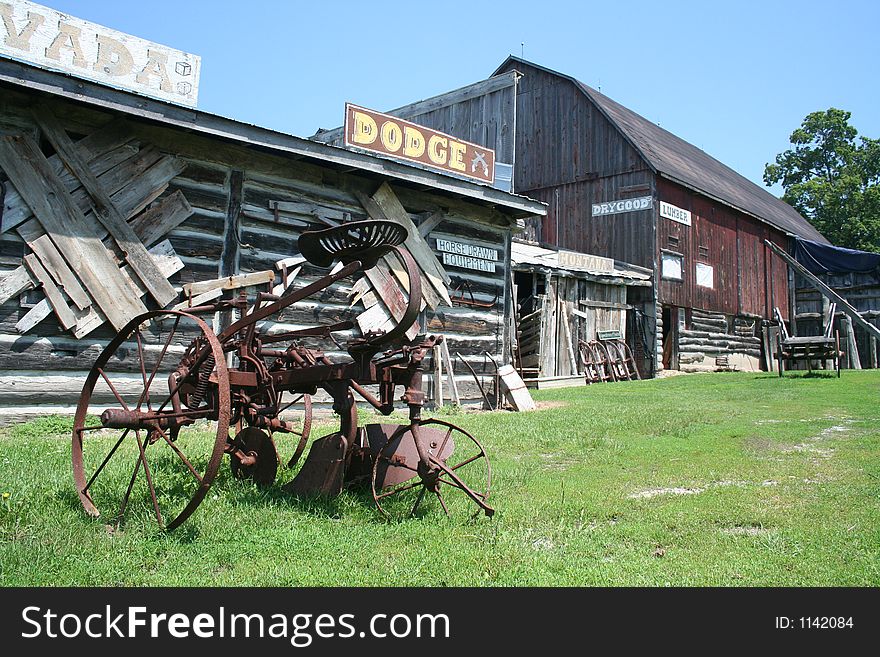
(89, 215)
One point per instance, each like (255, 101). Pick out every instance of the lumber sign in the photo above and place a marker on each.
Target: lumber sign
(39, 35)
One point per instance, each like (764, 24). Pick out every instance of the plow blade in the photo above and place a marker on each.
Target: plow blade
(323, 470)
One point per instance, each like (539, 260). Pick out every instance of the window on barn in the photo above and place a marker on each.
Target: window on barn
(705, 275)
(671, 265)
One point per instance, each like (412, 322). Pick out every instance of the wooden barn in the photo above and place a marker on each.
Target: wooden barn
(115, 203)
(618, 186)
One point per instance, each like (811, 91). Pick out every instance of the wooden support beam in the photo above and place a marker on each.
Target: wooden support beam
(135, 253)
(54, 263)
(852, 348)
(14, 283)
(430, 224)
(438, 377)
(153, 224)
(229, 282)
(231, 237)
(53, 294)
(566, 332)
(842, 304)
(450, 372)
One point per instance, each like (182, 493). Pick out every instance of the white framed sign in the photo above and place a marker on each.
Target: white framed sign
(468, 256)
(623, 205)
(675, 213)
(671, 266)
(705, 275)
(47, 38)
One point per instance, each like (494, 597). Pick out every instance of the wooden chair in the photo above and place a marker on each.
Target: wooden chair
(809, 348)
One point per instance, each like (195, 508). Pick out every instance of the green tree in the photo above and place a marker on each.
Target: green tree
(832, 177)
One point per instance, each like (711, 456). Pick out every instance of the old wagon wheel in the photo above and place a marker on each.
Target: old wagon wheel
(133, 389)
(459, 463)
(605, 361)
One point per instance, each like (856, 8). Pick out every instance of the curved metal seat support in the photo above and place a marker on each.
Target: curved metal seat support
(413, 305)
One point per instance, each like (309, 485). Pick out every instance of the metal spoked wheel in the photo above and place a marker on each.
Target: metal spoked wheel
(459, 466)
(152, 469)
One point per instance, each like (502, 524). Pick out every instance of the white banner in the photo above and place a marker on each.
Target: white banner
(675, 213)
(39, 35)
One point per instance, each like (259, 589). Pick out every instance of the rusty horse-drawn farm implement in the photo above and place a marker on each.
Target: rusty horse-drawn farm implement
(166, 373)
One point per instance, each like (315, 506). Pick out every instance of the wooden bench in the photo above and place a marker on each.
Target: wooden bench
(809, 348)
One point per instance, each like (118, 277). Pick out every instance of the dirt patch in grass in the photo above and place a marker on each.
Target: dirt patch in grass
(542, 405)
(747, 530)
(694, 490)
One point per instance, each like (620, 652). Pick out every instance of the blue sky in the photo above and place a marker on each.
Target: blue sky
(734, 78)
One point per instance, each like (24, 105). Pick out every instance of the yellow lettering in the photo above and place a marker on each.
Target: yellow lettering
(392, 136)
(456, 155)
(113, 57)
(14, 38)
(365, 130)
(155, 66)
(413, 142)
(435, 153)
(68, 39)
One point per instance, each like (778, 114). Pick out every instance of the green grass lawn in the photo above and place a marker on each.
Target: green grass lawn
(736, 479)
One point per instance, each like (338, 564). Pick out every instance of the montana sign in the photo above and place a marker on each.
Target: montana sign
(388, 135)
(38, 35)
(625, 205)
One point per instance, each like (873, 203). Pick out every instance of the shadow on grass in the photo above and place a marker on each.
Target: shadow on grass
(798, 375)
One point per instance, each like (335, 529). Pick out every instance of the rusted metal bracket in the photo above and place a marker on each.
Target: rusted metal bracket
(477, 381)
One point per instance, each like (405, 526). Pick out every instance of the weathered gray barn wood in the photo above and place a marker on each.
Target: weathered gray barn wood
(71, 232)
(66, 279)
(53, 294)
(104, 209)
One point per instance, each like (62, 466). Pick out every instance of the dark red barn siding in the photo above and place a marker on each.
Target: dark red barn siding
(748, 279)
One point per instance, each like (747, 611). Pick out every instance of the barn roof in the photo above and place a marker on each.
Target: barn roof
(674, 158)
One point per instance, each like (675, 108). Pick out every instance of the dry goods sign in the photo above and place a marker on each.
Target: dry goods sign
(47, 38)
(623, 205)
(388, 135)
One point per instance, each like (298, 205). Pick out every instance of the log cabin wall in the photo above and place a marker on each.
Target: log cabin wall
(233, 229)
(862, 291)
